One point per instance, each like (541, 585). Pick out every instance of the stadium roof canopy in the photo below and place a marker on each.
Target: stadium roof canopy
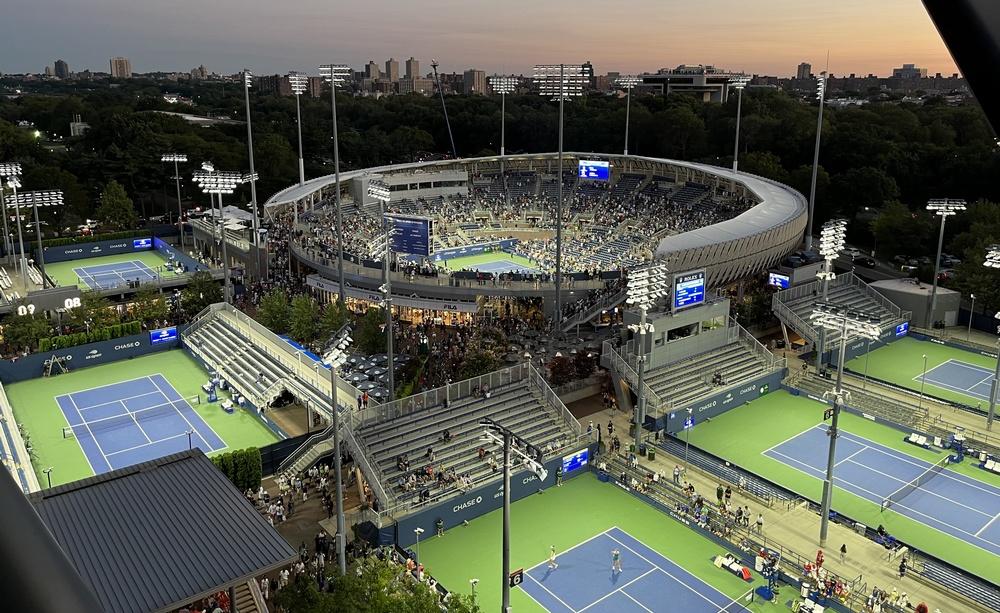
(158, 535)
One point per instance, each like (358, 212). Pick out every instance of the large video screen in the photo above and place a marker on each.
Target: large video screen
(576, 460)
(412, 235)
(903, 328)
(142, 243)
(595, 170)
(780, 281)
(689, 289)
(163, 335)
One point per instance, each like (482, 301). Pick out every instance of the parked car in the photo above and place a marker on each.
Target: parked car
(851, 252)
(865, 261)
(908, 268)
(900, 259)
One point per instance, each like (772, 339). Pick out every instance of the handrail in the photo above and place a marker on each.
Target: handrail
(301, 450)
(374, 476)
(554, 402)
(619, 363)
(739, 332)
(874, 294)
(589, 313)
(785, 312)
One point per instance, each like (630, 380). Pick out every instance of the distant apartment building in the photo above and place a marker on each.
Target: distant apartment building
(805, 71)
(200, 73)
(121, 68)
(412, 68)
(909, 71)
(474, 81)
(418, 85)
(707, 83)
(371, 70)
(392, 70)
(49, 72)
(62, 69)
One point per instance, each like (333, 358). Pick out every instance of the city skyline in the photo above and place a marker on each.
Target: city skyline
(769, 40)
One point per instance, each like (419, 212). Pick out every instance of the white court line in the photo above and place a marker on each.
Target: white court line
(629, 596)
(921, 488)
(184, 417)
(863, 447)
(893, 507)
(550, 593)
(707, 599)
(104, 404)
(569, 550)
(148, 444)
(92, 435)
(619, 589)
(794, 436)
(89, 463)
(97, 387)
(983, 529)
(136, 422)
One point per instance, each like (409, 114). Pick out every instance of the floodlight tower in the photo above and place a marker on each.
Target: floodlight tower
(559, 82)
(335, 358)
(437, 81)
(628, 82)
(177, 158)
(831, 242)
(533, 459)
(48, 198)
(9, 171)
(993, 261)
(247, 84)
(820, 95)
(848, 322)
(299, 83)
(738, 82)
(379, 190)
(221, 182)
(646, 285)
(944, 208)
(335, 75)
(503, 85)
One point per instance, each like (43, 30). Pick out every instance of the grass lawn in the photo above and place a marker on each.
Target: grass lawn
(743, 434)
(36, 410)
(63, 274)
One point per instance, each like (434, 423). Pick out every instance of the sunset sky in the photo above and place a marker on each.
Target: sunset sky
(758, 36)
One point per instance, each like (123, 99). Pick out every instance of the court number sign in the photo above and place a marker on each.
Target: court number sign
(71, 303)
(29, 309)
(517, 577)
(26, 309)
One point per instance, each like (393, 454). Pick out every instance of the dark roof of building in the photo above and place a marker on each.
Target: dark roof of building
(157, 535)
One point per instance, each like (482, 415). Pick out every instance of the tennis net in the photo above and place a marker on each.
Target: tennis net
(914, 485)
(129, 418)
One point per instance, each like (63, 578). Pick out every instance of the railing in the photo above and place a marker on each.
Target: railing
(548, 394)
(232, 238)
(19, 450)
(304, 448)
(785, 312)
(620, 364)
(451, 392)
(369, 469)
(971, 344)
(885, 303)
(738, 332)
(594, 309)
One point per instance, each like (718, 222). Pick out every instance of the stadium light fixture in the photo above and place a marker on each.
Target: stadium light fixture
(993, 261)
(8, 170)
(944, 208)
(299, 83)
(820, 95)
(503, 85)
(335, 358)
(628, 82)
(646, 285)
(379, 190)
(177, 158)
(336, 75)
(444, 107)
(221, 182)
(832, 238)
(533, 459)
(738, 82)
(247, 84)
(559, 82)
(850, 323)
(44, 198)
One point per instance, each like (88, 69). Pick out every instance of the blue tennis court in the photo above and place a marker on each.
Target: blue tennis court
(107, 276)
(129, 422)
(648, 583)
(504, 266)
(961, 377)
(949, 502)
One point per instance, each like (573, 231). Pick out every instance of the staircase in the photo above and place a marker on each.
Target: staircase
(248, 598)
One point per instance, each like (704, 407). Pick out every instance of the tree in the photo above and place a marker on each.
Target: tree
(900, 231)
(24, 331)
(116, 211)
(478, 361)
(274, 311)
(95, 311)
(201, 291)
(302, 324)
(561, 371)
(584, 364)
(333, 317)
(149, 306)
(369, 336)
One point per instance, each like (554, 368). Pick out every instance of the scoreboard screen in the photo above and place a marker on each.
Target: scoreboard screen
(595, 170)
(142, 243)
(689, 289)
(163, 335)
(411, 235)
(777, 280)
(903, 328)
(575, 460)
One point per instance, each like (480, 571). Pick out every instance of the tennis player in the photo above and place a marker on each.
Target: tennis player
(616, 561)
(552, 558)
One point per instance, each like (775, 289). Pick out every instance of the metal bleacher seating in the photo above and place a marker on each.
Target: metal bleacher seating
(686, 380)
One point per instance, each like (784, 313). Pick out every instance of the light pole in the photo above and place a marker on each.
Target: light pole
(628, 82)
(247, 84)
(738, 83)
(48, 475)
(51, 198)
(972, 310)
(944, 208)
(221, 182)
(993, 261)
(11, 171)
(335, 358)
(847, 321)
(923, 377)
(7, 170)
(646, 285)
(533, 458)
(820, 93)
(831, 242)
(473, 583)
(417, 532)
(336, 74)
(503, 85)
(177, 158)
(444, 108)
(688, 424)
(299, 83)
(559, 82)
(379, 190)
